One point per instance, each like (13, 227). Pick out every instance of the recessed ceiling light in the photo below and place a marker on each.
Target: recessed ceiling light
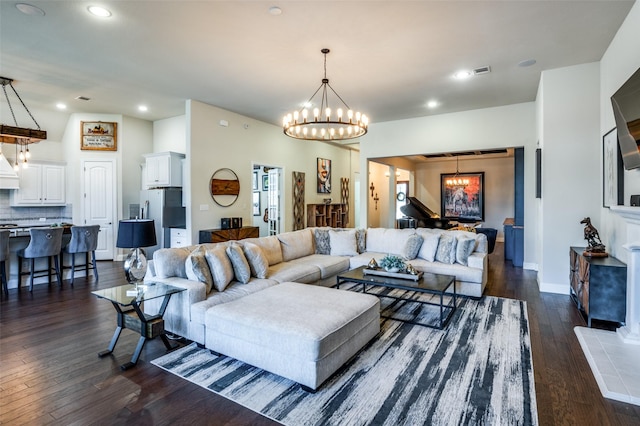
(527, 63)
(275, 11)
(143, 108)
(60, 105)
(99, 11)
(461, 75)
(29, 9)
(432, 104)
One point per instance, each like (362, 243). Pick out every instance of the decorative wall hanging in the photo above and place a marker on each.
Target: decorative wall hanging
(298, 200)
(324, 176)
(344, 196)
(98, 136)
(612, 171)
(265, 182)
(464, 200)
(224, 187)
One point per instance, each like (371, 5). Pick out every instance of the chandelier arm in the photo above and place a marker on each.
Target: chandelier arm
(312, 96)
(4, 88)
(336, 93)
(25, 107)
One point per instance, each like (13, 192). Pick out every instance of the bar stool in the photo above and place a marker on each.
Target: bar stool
(4, 256)
(84, 239)
(45, 242)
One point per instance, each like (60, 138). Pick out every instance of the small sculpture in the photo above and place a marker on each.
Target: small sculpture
(411, 270)
(372, 264)
(595, 248)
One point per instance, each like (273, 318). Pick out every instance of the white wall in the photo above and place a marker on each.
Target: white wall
(618, 63)
(238, 146)
(170, 135)
(571, 181)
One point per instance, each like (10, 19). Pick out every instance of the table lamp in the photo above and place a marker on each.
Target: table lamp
(135, 234)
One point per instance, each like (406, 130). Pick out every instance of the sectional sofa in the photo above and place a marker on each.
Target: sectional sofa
(219, 273)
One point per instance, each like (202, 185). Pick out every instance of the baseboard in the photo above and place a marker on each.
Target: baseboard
(530, 266)
(554, 288)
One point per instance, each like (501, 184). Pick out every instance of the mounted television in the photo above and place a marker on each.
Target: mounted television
(626, 110)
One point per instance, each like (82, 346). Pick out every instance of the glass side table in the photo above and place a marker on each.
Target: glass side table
(130, 315)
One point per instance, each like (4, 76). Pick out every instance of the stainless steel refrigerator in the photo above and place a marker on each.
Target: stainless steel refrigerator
(164, 206)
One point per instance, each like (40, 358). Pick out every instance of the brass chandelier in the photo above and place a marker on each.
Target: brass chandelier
(323, 123)
(457, 180)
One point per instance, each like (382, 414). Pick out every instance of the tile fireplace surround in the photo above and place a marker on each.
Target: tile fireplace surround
(614, 357)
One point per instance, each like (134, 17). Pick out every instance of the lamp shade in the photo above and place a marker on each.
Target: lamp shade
(136, 233)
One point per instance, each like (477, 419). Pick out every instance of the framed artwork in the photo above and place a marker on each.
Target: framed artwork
(98, 136)
(255, 181)
(256, 203)
(324, 176)
(612, 171)
(265, 182)
(462, 196)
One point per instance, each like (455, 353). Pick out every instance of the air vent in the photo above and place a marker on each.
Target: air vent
(482, 70)
(83, 98)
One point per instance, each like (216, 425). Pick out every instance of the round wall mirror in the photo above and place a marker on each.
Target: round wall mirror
(224, 187)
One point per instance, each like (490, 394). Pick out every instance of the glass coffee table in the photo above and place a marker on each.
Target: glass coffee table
(130, 315)
(436, 284)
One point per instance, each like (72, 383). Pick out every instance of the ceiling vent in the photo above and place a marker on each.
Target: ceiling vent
(482, 70)
(83, 98)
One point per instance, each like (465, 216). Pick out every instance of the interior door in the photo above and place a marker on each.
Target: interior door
(274, 201)
(98, 205)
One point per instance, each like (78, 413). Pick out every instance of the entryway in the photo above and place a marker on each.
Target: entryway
(267, 201)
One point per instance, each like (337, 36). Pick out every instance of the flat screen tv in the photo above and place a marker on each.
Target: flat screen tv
(626, 110)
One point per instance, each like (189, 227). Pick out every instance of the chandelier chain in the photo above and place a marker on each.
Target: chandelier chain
(4, 89)
(25, 107)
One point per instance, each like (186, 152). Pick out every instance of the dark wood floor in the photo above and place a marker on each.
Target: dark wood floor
(50, 372)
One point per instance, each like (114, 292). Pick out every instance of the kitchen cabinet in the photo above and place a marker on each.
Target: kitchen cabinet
(163, 169)
(179, 237)
(41, 184)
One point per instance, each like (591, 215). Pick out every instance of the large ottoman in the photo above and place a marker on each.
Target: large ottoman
(298, 331)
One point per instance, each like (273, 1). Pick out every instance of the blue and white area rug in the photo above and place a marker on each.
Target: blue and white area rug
(477, 371)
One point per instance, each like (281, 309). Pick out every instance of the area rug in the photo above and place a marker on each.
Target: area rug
(477, 371)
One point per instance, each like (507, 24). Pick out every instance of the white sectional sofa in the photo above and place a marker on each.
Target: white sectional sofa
(307, 256)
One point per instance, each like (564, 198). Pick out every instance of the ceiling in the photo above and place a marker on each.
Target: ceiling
(388, 58)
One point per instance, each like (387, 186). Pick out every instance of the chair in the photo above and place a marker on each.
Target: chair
(4, 256)
(84, 239)
(45, 242)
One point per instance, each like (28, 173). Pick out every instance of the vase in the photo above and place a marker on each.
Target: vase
(392, 269)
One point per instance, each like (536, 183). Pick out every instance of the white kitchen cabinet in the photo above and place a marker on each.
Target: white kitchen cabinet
(163, 169)
(179, 237)
(41, 184)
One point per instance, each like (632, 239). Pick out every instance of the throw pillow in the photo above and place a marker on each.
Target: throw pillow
(220, 267)
(197, 268)
(361, 240)
(412, 247)
(258, 262)
(239, 263)
(343, 243)
(446, 252)
(323, 246)
(429, 247)
(464, 248)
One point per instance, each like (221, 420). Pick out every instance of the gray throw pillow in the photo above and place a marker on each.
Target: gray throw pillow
(464, 248)
(429, 246)
(258, 262)
(361, 240)
(343, 243)
(323, 244)
(412, 247)
(446, 252)
(239, 263)
(220, 267)
(197, 268)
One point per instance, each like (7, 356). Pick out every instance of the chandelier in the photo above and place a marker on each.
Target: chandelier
(323, 124)
(20, 136)
(456, 180)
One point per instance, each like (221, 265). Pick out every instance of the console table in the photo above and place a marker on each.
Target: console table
(598, 286)
(222, 235)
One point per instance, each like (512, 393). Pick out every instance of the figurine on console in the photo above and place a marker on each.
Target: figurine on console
(595, 248)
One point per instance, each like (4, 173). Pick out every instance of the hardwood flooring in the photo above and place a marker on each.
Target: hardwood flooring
(50, 372)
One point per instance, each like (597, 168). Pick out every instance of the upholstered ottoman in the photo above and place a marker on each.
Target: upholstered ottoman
(298, 331)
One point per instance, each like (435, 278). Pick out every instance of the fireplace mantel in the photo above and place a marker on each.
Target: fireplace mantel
(630, 214)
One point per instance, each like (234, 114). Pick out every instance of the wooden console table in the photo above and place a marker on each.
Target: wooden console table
(598, 286)
(222, 235)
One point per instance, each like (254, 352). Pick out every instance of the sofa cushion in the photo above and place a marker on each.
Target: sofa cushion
(258, 262)
(220, 267)
(446, 252)
(392, 241)
(170, 262)
(197, 268)
(239, 263)
(270, 247)
(343, 243)
(328, 265)
(296, 244)
(464, 248)
(294, 271)
(412, 247)
(429, 245)
(462, 273)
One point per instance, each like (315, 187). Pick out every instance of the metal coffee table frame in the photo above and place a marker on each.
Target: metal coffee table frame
(429, 283)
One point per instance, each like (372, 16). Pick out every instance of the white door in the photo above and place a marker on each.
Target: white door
(98, 203)
(274, 201)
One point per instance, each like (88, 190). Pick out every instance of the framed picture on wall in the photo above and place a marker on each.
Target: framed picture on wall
(462, 196)
(324, 176)
(98, 136)
(265, 182)
(256, 203)
(612, 170)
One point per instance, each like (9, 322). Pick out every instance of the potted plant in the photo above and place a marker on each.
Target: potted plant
(392, 263)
